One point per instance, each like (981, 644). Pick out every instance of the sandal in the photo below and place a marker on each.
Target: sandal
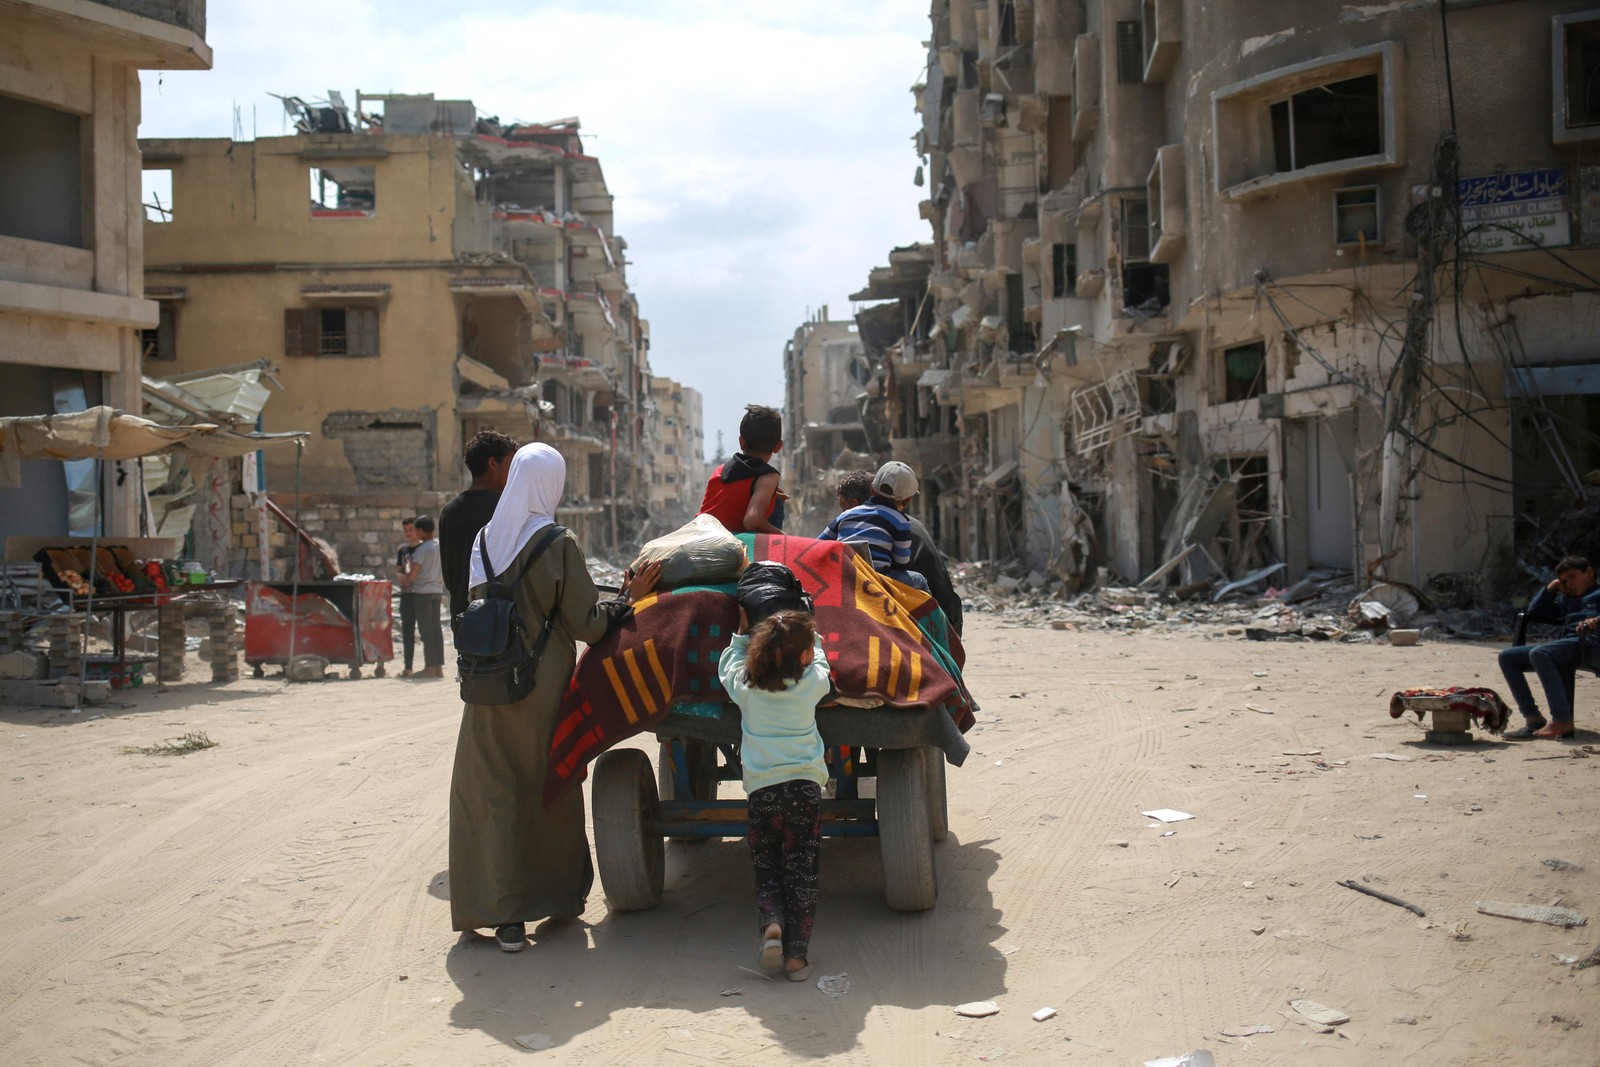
(1525, 732)
(802, 974)
(1554, 730)
(771, 957)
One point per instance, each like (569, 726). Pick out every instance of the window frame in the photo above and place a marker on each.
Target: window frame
(166, 336)
(1257, 386)
(304, 335)
(1377, 210)
(1560, 131)
(1129, 46)
(317, 177)
(1241, 128)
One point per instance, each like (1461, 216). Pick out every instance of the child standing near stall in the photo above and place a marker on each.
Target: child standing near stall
(777, 673)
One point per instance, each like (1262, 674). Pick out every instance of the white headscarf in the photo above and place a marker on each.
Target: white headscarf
(527, 505)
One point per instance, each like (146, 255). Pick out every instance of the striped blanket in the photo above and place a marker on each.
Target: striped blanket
(885, 641)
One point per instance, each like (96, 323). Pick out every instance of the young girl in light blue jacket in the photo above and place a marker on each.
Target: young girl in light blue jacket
(777, 674)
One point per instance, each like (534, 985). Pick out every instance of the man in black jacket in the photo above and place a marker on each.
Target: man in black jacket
(489, 460)
(855, 488)
(1572, 600)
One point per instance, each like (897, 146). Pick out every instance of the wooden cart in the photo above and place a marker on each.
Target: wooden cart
(637, 808)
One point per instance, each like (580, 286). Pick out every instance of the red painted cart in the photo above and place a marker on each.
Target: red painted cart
(343, 622)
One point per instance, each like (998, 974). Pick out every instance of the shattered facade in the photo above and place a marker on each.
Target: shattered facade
(827, 376)
(418, 272)
(1236, 285)
(72, 301)
(679, 470)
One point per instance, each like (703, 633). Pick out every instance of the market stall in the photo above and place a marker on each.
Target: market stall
(116, 574)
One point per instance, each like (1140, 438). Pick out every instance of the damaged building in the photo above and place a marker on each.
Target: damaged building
(1216, 288)
(679, 469)
(827, 376)
(72, 302)
(417, 272)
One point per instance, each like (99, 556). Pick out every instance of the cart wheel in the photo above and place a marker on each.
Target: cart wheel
(909, 880)
(938, 807)
(701, 757)
(378, 671)
(257, 671)
(631, 854)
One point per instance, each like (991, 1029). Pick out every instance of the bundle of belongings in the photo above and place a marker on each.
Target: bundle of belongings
(1488, 711)
(700, 552)
(889, 645)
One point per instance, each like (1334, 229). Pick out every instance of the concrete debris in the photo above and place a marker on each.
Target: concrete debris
(1314, 609)
(307, 668)
(1318, 1013)
(1533, 913)
(23, 665)
(1324, 606)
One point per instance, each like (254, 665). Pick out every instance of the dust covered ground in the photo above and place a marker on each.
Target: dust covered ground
(280, 898)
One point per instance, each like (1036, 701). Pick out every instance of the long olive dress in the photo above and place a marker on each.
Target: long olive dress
(510, 859)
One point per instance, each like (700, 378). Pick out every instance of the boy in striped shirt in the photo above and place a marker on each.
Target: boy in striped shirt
(881, 524)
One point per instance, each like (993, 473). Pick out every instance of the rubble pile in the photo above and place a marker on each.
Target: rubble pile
(1325, 606)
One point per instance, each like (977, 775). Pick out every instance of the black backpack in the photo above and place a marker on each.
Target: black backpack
(494, 659)
(767, 587)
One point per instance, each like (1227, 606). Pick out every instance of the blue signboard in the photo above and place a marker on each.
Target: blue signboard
(1517, 211)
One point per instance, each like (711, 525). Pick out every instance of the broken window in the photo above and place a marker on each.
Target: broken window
(1061, 152)
(1130, 51)
(344, 192)
(1355, 215)
(159, 342)
(1244, 541)
(158, 195)
(40, 173)
(330, 331)
(1145, 285)
(1340, 120)
(1063, 270)
(1008, 23)
(1019, 330)
(1580, 66)
(1244, 371)
(1135, 230)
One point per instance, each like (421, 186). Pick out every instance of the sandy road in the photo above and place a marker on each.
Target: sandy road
(279, 899)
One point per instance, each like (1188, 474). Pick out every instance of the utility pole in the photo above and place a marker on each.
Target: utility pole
(1433, 224)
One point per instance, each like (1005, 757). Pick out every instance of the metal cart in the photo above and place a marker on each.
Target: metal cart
(905, 750)
(343, 622)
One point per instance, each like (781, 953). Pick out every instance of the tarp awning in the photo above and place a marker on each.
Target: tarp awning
(106, 433)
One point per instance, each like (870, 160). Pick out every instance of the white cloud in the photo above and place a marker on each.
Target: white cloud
(759, 152)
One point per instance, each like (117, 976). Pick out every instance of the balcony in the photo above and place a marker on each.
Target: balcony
(1167, 190)
(1163, 38)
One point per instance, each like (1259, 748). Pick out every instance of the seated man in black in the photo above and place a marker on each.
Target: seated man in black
(1572, 600)
(856, 488)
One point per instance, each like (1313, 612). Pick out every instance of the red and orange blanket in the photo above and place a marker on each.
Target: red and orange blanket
(885, 641)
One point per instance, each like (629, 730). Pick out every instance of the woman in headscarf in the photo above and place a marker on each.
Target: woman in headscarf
(512, 861)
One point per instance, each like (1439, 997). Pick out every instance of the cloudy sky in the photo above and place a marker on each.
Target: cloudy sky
(760, 153)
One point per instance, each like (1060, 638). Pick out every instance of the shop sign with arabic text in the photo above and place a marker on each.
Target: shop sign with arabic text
(1517, 211)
